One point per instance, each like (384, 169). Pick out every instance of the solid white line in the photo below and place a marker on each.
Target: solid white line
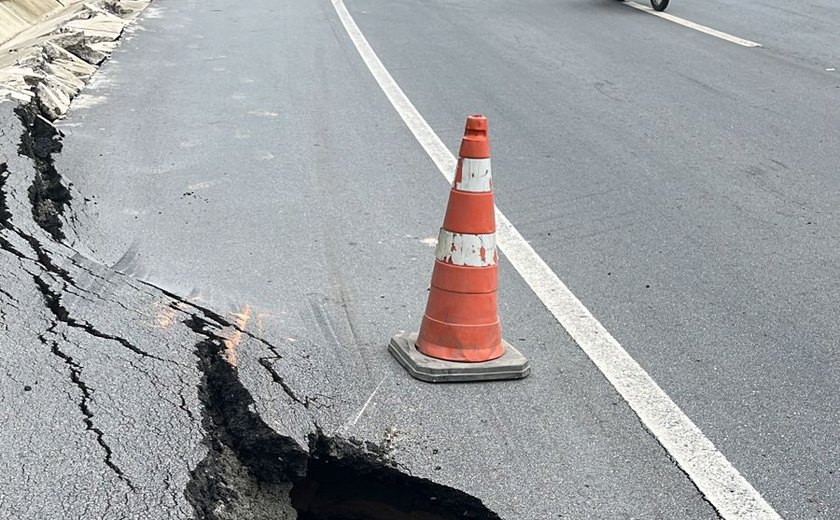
(696, 26)
(723, 486)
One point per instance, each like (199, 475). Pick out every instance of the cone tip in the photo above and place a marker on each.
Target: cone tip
(475, 144)
(477, 122)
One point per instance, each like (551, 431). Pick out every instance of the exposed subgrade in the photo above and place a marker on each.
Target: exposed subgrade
(5, 214)
(48, 193)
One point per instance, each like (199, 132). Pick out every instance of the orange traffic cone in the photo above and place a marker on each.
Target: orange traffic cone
(460, 337)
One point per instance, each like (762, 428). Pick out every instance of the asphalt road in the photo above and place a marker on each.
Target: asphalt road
(684, 187)
(99, 389)
(243, 158)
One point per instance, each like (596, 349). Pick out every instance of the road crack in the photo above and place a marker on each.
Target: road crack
(76, 377)
(251, 471)
(5, 214)
(48, 194)
(53, 302)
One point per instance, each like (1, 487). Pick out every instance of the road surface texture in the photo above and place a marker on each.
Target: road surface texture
(199, 282)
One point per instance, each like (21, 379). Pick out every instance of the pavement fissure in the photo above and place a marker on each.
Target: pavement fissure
(86, 395)
(252, 472)
(48, 194)
(62, 314)
(5, 214)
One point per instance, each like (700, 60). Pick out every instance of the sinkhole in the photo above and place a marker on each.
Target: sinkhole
(253, 473)
(352, 488)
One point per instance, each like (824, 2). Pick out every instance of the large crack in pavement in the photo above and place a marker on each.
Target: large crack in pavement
(48, 194)
(5, 215)
(252, 472)
(132, 387)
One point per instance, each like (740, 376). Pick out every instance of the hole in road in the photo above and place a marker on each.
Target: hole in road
(251, 472)
(355, 489)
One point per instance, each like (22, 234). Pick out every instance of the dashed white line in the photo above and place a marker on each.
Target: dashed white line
(696, 26)
(723, 486)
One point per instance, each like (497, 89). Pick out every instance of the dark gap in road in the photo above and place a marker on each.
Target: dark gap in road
(345, 481)
(48, 194)
(52, 299)
(5, 214)
(84, 407)
(252, 472)
(248, 468)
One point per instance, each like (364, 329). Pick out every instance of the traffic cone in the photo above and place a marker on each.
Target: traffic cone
(460, 338)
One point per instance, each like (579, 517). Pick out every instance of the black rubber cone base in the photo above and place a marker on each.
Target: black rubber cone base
(512, 364)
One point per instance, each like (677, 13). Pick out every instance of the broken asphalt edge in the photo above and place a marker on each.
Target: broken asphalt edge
(53, 60)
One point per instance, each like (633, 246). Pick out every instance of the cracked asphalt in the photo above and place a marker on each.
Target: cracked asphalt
(101, 399)
(123, 400)
(100, 412)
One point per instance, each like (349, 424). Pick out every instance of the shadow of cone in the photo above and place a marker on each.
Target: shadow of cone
(460, 337)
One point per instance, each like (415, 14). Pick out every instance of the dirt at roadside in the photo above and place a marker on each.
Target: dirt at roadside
(51, 61)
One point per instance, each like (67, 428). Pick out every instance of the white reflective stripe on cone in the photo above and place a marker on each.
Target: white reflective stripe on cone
(475, 176)
(466, 250)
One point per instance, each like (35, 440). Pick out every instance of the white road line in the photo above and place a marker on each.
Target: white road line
(723, 486)
(696, 26)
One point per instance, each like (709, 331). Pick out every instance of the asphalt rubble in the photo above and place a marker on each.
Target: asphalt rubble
(56, 52)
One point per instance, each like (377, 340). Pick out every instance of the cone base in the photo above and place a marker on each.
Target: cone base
(511, 365)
